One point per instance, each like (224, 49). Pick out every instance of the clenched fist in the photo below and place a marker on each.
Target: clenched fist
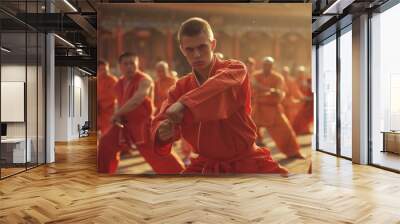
(175, 112)
(166, 130)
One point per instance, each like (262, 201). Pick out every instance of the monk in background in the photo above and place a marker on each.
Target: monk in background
(269, 92)
(164, 81)
(219, 55)
(251, 65)
(131, 122)
(210, 108)
(105, 96)
(304, 121)
(293, 100)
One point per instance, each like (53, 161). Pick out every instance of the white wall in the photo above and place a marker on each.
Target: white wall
(61, 103)
(71, 93)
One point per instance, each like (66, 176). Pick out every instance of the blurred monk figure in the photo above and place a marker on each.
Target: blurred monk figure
(303, 123)
(269, 92)
(293, 101)
(174, 74)
(251, 65)
(163, 83)
(219, 55)
(210, 109)
(105, 96)
(131, 122)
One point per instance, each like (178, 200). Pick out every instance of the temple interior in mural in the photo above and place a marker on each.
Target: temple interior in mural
(267, 38)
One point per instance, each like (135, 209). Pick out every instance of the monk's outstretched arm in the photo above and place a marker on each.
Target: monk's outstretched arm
(164, 146)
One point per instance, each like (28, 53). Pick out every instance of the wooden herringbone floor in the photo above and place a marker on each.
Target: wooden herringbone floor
(70, 191)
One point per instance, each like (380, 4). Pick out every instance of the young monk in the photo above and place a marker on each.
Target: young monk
(161, 86)
(132, 121)
(268, 89)
(105, 96)
(210, 109)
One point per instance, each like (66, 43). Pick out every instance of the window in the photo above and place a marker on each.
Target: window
(385, 88)
(22, 76)
(346, 93)
(327, 96)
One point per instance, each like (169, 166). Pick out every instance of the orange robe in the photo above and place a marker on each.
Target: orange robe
(269, 113)
(305, 118)
(105, 101)
(161, 87)
(217, 123)
(293, 100)
(136, 131)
